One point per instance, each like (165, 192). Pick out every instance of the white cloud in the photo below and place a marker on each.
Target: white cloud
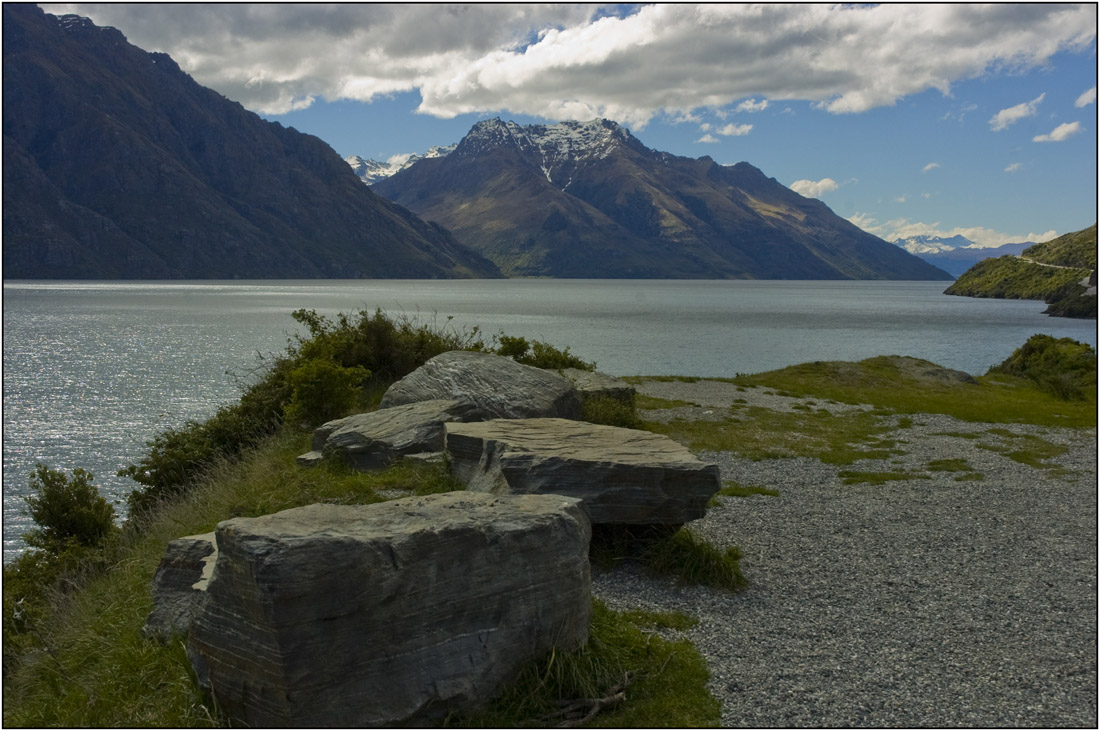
(813, 188)
(560, 61)
(1059, 133)
(751, 105)
(1006, 117)
(901, 198)
(902, 228)
(1088, 97)
(1013, 167)
(930, 166)
(708, 138)
(734, 130)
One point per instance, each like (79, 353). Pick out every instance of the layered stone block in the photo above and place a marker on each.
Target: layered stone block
(624, 476)
(389, 614)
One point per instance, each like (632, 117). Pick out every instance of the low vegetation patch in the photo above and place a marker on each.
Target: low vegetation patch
(735, 489)
(643, 401)
(624, 677)
(885, 383)
(682, 556)
(1027, 449)
(954, 464)
(759, 433)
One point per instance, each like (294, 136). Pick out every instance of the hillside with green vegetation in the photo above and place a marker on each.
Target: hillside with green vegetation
(1051, 271)
(75, 603)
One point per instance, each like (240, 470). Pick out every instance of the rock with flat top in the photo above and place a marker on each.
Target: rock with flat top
(179, 585)
(391, 614)
(590, 384)
(624, 476)
(502, 388)
(377, 439)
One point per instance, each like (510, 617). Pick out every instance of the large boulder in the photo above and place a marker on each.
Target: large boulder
(396, 613)
(501, 387)
(624, 476)
(379, 438)
(179, 585)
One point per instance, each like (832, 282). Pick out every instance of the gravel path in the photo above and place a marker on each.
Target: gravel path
(923, 602)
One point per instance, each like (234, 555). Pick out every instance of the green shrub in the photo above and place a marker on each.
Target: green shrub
(67, 512)
(321, 391)
(610, 412)
(1062, 367)
(539, 354)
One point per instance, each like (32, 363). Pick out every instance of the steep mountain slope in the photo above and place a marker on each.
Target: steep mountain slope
(118, 165)
(1060, 271)
(955, 254)
(590, 200)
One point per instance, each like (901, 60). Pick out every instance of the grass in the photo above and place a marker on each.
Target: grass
(734, 489)
(955, 464)
(642, 401)
(759, 433)
(1027, 449)
(995, 398)
(667, 679)
(682, 556)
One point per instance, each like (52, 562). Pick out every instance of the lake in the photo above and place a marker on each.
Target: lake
(92, 370)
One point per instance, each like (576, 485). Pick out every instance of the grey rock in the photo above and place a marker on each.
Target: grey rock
(379, 438)
(179, 585)
(389, 614)
(590, 384)
(310, 459)
(501, 387)
(623, 475)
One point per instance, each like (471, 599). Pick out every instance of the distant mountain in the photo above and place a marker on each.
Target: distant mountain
(588, 199)
(371, 171)
(955, 254)
(117, 165)
(1062, 272)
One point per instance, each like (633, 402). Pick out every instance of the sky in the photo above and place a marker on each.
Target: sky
(913, 119)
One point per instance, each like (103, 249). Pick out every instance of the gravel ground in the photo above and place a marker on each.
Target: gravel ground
(916, 603)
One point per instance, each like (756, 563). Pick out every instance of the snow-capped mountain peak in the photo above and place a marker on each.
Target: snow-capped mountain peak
(557, 148)
(371, 171)
(932, 244)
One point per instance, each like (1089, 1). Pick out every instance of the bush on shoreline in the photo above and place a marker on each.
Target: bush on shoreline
(1063, 367)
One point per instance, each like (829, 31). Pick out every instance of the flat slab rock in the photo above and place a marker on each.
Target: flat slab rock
(624, 476)
(502, 388)
(389, 614)
(379, 438)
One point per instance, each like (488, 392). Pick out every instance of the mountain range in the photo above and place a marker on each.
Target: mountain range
(118, 165)
(956, 254)
(588, 199)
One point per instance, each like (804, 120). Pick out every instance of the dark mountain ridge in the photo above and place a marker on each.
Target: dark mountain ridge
(118, 165)
(588, 199)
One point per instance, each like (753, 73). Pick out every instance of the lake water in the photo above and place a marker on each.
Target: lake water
(92, 370)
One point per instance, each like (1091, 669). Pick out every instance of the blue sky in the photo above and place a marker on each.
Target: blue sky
(906, 119)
